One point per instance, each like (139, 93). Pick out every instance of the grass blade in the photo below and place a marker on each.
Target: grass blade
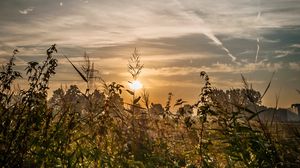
(269, 84)
(82, 76)
(246, 85)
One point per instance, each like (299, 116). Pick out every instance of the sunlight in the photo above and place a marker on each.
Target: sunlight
(135, 85)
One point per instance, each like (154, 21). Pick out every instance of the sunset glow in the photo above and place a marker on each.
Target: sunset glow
(135, 85)
(176, 39)
(149, 83)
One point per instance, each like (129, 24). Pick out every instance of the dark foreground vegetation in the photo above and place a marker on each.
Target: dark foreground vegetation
(95, 128)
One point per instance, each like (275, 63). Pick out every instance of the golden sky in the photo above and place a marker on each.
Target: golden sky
(177, 39)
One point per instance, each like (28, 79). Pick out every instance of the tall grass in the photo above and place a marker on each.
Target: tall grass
(97, 129)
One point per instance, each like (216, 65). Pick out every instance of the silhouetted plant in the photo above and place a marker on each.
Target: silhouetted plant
(7, 76)
(28, 116)
(134, 66)
(97, 129)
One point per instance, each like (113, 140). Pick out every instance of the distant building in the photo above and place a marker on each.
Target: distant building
(278, 115)
(296, 109)
(281, 115)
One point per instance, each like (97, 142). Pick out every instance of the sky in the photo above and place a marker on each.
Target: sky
(176, 39)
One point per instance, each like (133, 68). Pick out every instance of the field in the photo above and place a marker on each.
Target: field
(97, 128)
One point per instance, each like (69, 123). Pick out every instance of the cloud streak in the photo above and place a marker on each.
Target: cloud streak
(294, 66)
(257, 49)
(26, 11)
(257, 39)
(282, 53)
(206, 31)
(215, 68)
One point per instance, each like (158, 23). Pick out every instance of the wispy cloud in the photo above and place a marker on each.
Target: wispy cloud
(215, 68)
(295, 46)
(294, 66)
(85, 1)
(282, 53)
(108, 23)
(257, 39)
(178, 38)
(257, 49)
(26, 11)
(4, 53)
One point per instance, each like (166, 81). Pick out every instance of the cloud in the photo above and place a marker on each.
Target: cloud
(3, 61)
(4, 53)
(109, 23)
(295, 46)
(84, 1)
(214, 68)
(179, 37)
(26, 11)
(294, 66)
(153, 83)
(282, 53)
(206, 30)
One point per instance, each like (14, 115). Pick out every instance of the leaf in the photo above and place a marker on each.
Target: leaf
(82, 76)
(202, 73)
(15, 51)
(255, 114)
(269, 84)
(245, 82)
(179, 102)
(130, 92)
(298, 91)
(137, 100)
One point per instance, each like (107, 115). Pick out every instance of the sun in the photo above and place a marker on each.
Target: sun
(135, 85)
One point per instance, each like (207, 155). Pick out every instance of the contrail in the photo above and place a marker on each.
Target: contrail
(257, 39)
(219, 43)
(233, 58)
(208, 33)
(257, 49)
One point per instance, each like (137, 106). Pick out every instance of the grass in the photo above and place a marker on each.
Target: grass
(96, 128)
